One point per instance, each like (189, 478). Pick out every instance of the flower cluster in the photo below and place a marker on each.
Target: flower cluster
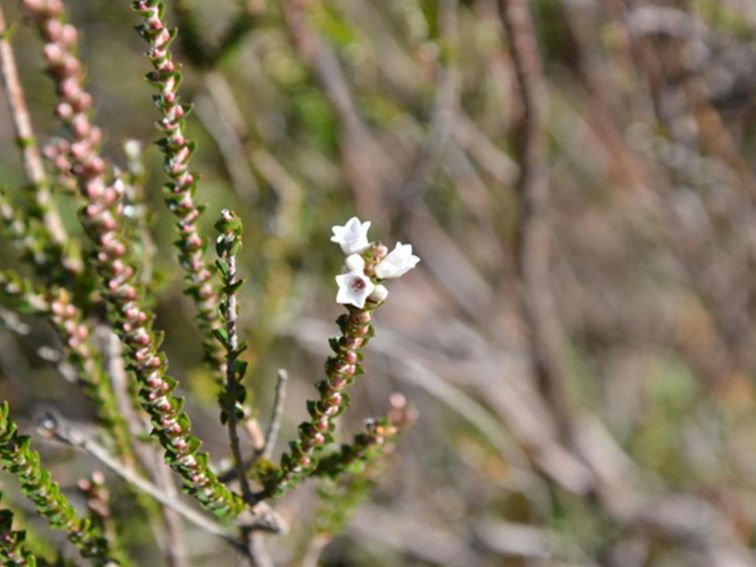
(361, 291)
(359, 284)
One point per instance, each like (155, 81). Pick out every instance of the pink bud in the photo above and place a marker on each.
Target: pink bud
(83, 102)
(52, 53)
(68, 35)
(96, 165)
(361, 316)
(57, 307)
(53, 28)
(64, 111)
(69, 88)
(71, 66)
(350, 356)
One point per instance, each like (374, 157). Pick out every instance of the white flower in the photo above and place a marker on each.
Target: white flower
(354, 289)
(398, 262)
(352, 237)
(355, 263)
(380, 293)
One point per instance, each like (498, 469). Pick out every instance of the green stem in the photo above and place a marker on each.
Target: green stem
(17, 458)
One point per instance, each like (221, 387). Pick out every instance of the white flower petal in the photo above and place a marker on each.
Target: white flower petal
(354, 289)
(352, 237)
(355, 263)
(380, 293)
(397, 263)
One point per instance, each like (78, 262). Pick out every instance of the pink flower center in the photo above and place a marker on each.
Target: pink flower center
(358, 284)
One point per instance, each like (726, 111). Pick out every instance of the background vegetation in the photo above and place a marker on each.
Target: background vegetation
(577, 340)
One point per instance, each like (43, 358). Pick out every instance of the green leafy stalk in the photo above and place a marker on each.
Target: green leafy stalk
(341, 370)
(366, 448)
(349, 472)
(103, 221)
(17, 458)
(13, 549)
(179, 192)
(233, 395)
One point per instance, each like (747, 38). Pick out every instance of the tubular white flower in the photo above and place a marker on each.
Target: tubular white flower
(352, 237)
(355, 263)
(354, 289)
(380, 293)
(398, 262)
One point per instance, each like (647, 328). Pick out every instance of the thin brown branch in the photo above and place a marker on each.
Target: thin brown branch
(532, 254)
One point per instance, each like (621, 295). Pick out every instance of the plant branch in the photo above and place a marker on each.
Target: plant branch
(232, 398)
(533, 231)
(179, 192)
(274, 426)
(20, 460)
(174, 548)
(342, 368)
(102, 219)
(13, 549)
(54, 427)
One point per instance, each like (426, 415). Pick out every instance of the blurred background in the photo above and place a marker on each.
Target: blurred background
(577, 178)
